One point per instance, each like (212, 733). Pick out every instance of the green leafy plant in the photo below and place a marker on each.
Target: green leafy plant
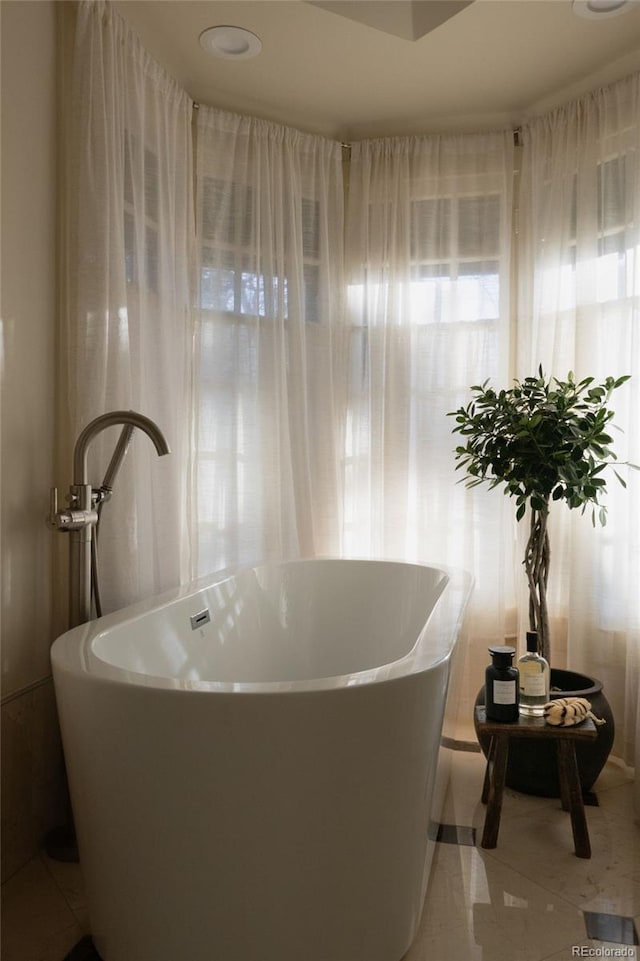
(543, 441)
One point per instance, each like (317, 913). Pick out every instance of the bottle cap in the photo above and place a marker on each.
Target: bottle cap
(502, 656)
(532, 641)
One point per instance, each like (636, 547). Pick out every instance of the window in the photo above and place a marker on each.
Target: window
(231, 278)
(263, 293)
(422, 328)
(604, 272)
(455, 267)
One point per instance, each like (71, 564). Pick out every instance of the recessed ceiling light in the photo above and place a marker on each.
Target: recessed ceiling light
(599, 9)
(232, 43)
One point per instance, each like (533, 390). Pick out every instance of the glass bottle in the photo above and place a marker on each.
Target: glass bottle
(501, 685)
(534, 679)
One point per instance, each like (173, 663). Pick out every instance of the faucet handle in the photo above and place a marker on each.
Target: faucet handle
(58, 520)
(53, 507)
(69, 520)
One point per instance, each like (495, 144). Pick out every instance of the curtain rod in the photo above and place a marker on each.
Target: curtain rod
(517, 139)
(517, 133)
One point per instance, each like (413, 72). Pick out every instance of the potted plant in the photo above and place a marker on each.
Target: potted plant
(544, 441)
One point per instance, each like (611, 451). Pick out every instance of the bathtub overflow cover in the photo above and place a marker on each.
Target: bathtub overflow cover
(199, 620)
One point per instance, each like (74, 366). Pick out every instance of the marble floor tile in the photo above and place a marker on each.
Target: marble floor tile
(37, 922)
(481, 909)
(67, 877)
(538, 843)
(618, 800)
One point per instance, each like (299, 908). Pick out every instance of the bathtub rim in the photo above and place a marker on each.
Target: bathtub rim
(72, 652)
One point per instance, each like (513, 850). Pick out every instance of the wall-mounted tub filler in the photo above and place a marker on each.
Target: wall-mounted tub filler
(85, 503)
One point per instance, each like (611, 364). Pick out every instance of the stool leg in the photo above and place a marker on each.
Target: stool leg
(487, 771)
(572, 795)
(494, 779)
(565, 799)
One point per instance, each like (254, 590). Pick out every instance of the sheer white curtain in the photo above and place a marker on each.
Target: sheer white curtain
(428, 275)
(580, 310)
(126, 335)
(269, 343)
(306, 405)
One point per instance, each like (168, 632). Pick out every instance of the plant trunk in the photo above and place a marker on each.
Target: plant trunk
(536, 564)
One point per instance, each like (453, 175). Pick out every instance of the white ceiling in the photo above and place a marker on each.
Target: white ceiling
(494, 62)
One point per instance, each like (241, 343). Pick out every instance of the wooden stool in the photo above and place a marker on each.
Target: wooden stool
(494, 778)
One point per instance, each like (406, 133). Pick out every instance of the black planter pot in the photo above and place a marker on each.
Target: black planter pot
(531, 767)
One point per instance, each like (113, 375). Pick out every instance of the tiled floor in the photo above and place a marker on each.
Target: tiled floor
(529, 899)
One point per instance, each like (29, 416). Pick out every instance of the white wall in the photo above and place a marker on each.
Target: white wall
(30, 749)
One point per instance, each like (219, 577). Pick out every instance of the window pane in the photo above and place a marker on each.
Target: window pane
(310, 228)
(611, 193)
(478, 225)
(431, 228)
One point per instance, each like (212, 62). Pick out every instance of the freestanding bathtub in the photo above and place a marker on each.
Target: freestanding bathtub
(252, 759)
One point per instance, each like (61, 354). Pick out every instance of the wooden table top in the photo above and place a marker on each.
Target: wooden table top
(534, 727)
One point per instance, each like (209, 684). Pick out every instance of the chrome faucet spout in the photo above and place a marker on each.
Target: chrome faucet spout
(111, 419)
(81, 519)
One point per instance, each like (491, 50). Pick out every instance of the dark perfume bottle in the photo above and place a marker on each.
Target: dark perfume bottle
(501, 685)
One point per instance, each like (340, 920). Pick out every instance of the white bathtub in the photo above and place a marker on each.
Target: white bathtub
(258, 787)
